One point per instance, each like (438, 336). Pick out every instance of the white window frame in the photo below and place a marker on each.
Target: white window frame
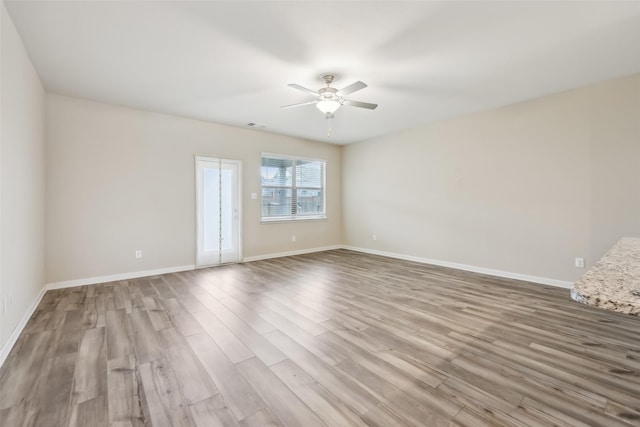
(294, 188)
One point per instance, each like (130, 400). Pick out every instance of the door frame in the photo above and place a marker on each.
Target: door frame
(197, 183)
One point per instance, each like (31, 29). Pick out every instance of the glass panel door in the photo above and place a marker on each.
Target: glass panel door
(217, 211)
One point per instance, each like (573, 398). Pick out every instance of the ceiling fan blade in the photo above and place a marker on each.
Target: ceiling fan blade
(360, 104)
(299, 104)
(304, 89)
(351, 88)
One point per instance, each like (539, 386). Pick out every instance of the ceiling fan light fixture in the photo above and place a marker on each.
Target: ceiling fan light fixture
(328, 106)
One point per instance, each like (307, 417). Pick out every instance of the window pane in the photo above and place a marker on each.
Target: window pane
(292, 187)
(309, 174)
(310, 202)
(276, 202)
(276, 172)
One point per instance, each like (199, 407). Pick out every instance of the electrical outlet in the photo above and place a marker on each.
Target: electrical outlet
(138, 254)
(254, 196)
(579, 262)
(374, 237)
(293, 238)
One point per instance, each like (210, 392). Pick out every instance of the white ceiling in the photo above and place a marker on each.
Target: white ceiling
(230, 62)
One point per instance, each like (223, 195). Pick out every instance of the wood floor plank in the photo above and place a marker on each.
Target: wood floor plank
(288, 407)
(553, 400)
(382, 416)
(92, 412)
(135, 296)
(208, 301)
(334, 338)
(420, 372)
(470, 418)
(51, 402)
(233, 347)
(325, 405)
(68, 334)
(357, 338)
(238, 393)
(162, 288)
(249, 316)
(57, 317)
(101, 311)
(309, 299)
(164, 400)
(308, 318)
(474, 397)
(19, 416)
(145, 287)
(262, 418)
(125, 402)
(181, 319)
(155, 311)
(623, 413)
(551, 415)
(90, 375)
(181, 290)
(255, 342)
(120, 301)
(348, 391)
(194, 381)
(574, 384)
(119, 334)
(145, 340)
(213, 412)
(427, 396)
(40, 318)
(411, 409)
(302, 337)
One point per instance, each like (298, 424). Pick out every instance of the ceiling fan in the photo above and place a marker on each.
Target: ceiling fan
(329, 99)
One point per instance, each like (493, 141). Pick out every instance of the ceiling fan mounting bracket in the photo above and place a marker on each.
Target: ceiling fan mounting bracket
(328, 78)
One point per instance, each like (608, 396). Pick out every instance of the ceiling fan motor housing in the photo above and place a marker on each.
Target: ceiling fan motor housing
(329, 94)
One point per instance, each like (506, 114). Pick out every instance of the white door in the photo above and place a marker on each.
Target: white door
(217, 211)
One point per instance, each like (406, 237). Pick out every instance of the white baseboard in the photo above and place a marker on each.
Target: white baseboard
(473, 268)
(291, 253)
(6, 348)
(115, 277)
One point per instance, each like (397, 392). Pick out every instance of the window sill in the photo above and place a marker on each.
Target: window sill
(292, 219)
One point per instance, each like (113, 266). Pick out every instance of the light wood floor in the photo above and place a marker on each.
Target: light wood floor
(334, 338)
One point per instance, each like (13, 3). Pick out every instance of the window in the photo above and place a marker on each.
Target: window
(292, 188)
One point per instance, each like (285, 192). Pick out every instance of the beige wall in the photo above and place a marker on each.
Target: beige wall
(120, 179)
(22, 179)
(522, 189)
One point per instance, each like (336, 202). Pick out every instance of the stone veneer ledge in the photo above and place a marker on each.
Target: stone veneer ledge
(613, 283)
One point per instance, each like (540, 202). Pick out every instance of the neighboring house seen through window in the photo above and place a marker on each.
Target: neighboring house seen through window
(292, 188)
